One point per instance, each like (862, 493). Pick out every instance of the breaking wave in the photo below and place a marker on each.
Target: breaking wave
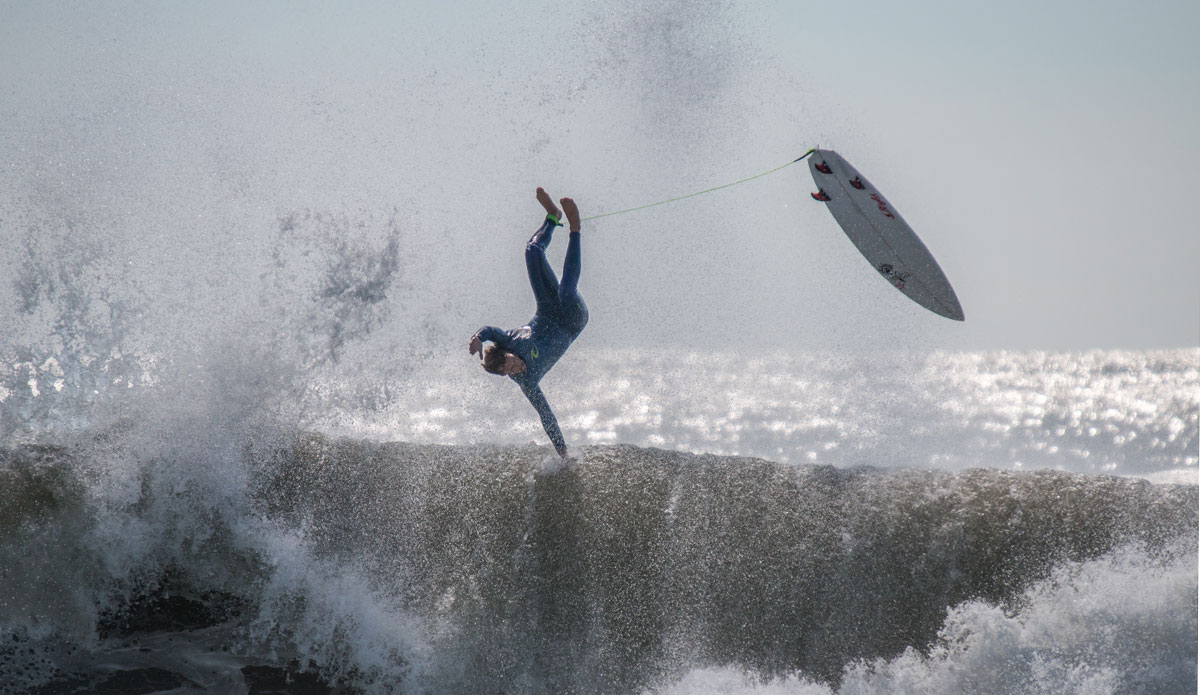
(418, 568)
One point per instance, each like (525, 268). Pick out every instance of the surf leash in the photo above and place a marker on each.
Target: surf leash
(707, 190)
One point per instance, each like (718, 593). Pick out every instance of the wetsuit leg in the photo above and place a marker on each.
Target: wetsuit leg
(575, 314)
(541, 275)
(571, 266)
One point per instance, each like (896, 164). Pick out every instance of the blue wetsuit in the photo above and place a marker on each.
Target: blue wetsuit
(560, 318)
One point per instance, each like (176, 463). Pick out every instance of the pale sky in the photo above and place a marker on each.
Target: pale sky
(1044, 152)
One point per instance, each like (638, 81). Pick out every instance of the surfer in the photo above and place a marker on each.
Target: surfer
(525, 354)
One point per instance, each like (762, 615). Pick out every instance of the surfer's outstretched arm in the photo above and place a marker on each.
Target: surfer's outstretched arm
(549, 422)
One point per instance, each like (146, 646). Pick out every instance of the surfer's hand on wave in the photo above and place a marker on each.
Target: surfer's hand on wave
(476, 346)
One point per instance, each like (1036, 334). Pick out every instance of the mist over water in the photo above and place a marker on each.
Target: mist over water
(166, 144)
(242, 444)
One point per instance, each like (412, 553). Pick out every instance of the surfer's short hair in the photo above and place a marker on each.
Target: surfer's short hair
(494, 357)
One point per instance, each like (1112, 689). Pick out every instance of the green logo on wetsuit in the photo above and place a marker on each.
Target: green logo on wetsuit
(534, 353)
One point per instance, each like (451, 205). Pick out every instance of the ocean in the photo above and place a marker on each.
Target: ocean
(963, 522)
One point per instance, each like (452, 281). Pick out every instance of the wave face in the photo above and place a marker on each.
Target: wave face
(414, 568)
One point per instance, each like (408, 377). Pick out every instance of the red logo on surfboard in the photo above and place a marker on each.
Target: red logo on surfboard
(882, 206)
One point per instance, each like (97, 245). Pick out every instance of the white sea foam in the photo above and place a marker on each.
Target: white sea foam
(1125, 623)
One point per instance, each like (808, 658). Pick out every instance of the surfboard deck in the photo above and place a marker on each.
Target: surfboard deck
(882, 236)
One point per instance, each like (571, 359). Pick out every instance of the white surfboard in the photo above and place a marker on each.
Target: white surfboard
(879, 232)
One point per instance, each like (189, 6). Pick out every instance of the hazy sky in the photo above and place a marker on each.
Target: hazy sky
(1043, 151)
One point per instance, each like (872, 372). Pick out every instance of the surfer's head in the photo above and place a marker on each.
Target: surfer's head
(497, 360)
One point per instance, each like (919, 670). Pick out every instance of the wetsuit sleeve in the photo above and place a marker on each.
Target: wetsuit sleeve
(495, 335)
(549, 422)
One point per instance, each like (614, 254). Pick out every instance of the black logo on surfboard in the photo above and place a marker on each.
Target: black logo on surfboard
(896, 277)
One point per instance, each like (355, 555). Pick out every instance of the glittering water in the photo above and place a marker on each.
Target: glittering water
(1123, 413)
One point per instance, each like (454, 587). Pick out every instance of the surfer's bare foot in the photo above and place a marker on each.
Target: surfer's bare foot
(572, 213)
(551, 209)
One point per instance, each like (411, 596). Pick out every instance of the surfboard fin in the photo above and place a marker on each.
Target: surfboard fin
(821, 195)
(824, 168)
